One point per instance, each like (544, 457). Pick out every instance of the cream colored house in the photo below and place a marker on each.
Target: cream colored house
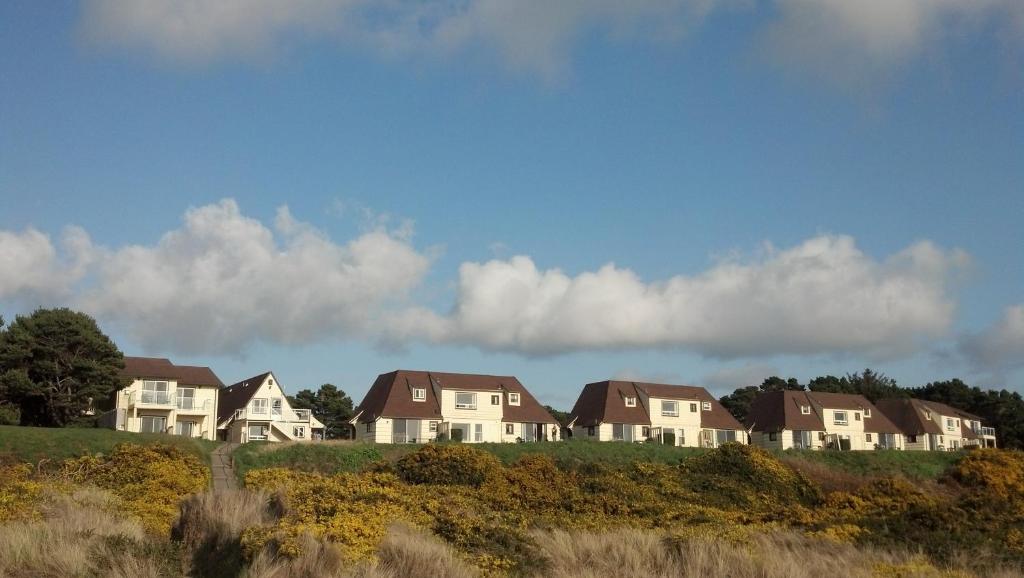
(256, 409)
(629, 411)
(783, 420)
(934, 426)
(421, 406)
(165, 398)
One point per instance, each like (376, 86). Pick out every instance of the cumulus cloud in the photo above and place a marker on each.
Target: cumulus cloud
(838, 39)
(221, 282)
(999, 347)
(822, 296)
(32, 269)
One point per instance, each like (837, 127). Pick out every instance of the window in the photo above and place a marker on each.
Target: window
(259, 406)
(840, 418)
(590, 431)
(152, 424)
(772, 436)
(299, 431)
(510, 429)
(369, 427)
(419, 394)
(622, 432)
(433, 427)
(478, 432)
(513, 399)
(911, 439)
(645, 432)
(275, 409)
(805, 409)
(867, 413)
(949, 424)
(693, 408)
(927, 414)
(670, 408)
(802, 440)
(495, 400)
(630, 401)
(682, 437)
(856, 416)
(155, 392)
(404, 430)
(723, 436)
(867, 437)
(258, 432)
(705, 405)
(465, 400)
(185, 428)
(270, 381)
(186, 398)
(821, 436)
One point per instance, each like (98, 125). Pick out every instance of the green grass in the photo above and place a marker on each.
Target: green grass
(910, 464)
(35, 444)
(342, 456)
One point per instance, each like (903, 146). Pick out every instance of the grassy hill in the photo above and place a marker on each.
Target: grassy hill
(347, 456)
(34, 444)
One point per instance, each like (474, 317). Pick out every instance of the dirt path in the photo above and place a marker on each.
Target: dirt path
(220, 465)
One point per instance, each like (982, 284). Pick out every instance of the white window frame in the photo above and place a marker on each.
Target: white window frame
(513, 398)
(669, 408)
(258, 406)
(867, 412)
(705, 405)
(156, 394)
(433, 427)
(478, 432)
(276, 406)
(805, 409)
(299, 431)
(949, 424)
(264, 432)
(181, 397)
(154, 419)
(510, 429)
(463, 405)
(630, 401)
(419, 394)
(178, 431)
(844, 421)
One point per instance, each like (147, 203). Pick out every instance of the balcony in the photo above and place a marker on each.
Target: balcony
(988, 432)
(265, 414)
(151, 399)
(192, 405)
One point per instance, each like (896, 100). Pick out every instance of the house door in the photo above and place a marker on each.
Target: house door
(185, 428)
(707, 438)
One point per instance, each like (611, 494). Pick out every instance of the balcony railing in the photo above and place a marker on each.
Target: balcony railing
(988, 431)
(298, 415)
(151, 398)
(192, 404)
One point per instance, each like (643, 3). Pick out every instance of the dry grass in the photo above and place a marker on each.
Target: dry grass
(80, 535)
(637, 553)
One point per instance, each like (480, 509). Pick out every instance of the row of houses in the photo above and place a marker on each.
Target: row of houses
(422, 406)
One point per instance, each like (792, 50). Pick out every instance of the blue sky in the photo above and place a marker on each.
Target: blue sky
(774, 199)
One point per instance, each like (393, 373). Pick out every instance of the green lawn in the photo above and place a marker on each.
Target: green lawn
(34, 444)
(916, 465)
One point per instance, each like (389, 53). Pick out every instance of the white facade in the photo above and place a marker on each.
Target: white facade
(673, 421)
(156, 405)
(268, 416)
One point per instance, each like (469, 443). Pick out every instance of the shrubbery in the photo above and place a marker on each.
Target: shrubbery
(448, 465)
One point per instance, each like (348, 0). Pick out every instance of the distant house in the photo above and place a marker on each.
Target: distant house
(934, 426)
(628, 411)
(256, 409)
(818, 420)
(162, 397)
(420, 406)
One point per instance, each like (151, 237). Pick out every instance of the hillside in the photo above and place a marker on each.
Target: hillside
(34, 444)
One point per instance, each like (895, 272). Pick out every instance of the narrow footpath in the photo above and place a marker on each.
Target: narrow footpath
(221, 468)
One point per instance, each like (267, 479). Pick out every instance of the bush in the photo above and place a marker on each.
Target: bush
(459, 465)
(746, 476)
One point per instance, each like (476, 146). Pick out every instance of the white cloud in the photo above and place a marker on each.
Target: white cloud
(31, 269)
(822, 296)
(849, 41)
(728, 379)
(221, 282)
(999, 347)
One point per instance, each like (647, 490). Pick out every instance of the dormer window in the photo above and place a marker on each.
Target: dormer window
(927, 414)
(630, 401)
(867, 412)
(805, 409)
(705, 405)
(419, 394)
(513, 398)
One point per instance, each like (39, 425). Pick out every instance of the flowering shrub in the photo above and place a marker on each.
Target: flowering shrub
(19, 495)
(448, 464)
(151, 480)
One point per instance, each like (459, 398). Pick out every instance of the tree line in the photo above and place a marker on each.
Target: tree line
(57, 367)
(1002, 409)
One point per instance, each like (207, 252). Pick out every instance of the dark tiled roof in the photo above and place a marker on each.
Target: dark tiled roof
(943, 409)
(161, 368)
(604, 402)
(237, 395)
(391, 396)
(908, 415)
(775, 411)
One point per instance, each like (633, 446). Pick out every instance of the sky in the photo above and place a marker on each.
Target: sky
(706, 192)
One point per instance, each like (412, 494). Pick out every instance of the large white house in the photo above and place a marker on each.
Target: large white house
(420, 406)
(256, 409)
(165, 398)
(785, 420)
(629, 411)
(934, 426)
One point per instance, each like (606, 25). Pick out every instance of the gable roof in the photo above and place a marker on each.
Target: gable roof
(943, 409)
(391, 396)
(162, 368)
(603, 402)
(908, 414)
(775, 411)
(237, 395)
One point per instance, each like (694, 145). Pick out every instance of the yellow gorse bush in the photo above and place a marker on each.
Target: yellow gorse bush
(19, 494)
